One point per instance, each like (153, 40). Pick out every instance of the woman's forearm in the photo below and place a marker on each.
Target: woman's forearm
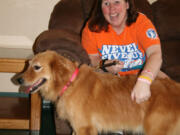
(141, 90)
(154, 61)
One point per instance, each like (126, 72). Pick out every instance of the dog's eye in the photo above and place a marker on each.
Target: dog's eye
(36, 67)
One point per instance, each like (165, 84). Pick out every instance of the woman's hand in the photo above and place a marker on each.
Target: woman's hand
(114, 68)
(141, 92)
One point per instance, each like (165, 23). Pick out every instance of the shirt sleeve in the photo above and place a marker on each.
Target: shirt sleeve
(146, 32)
(88, 41)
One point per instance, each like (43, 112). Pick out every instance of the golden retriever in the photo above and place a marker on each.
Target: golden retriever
(100, 102)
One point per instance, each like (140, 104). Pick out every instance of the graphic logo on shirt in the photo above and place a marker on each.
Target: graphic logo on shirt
(151, 33)
(129, 54)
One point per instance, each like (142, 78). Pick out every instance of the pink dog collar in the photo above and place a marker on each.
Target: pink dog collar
(70, 81)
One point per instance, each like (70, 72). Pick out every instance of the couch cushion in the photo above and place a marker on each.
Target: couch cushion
(174, 72)
(167, 18)
(171, 53)
(171, 56)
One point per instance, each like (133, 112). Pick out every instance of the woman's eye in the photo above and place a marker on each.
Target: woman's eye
(36, 67)
(106, 3)
(117, 2)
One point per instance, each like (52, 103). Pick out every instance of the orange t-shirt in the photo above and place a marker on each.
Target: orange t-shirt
(129, 47)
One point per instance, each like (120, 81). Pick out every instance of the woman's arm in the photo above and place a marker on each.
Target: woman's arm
(141, 90)
(154, 60)
(95, 59)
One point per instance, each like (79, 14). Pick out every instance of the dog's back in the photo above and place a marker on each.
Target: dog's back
(103, 101)
(164, 110)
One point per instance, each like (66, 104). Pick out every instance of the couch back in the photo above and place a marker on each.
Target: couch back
(167, 18)
(70, 15)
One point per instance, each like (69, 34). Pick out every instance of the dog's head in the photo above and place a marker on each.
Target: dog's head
(47, 72)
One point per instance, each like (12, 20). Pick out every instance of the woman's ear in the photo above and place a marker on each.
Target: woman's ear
(127, 5)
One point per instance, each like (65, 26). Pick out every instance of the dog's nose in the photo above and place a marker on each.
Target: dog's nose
(20, 80)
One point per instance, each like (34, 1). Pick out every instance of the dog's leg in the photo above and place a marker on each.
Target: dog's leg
(86, 131)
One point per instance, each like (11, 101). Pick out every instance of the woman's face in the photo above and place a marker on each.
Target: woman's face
(115, 11)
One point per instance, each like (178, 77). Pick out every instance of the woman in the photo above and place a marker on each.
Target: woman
(116, 31)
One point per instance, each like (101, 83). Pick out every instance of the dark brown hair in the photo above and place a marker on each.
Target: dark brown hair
(98, 23)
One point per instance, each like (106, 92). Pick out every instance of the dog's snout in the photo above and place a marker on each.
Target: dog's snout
(20, 80)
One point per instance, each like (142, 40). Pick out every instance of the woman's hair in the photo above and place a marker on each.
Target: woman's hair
(97, 22)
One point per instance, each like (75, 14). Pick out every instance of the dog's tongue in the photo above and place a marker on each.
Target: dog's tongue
(33, 87)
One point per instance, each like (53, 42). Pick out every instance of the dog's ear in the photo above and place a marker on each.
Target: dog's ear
(56, 71)
(59, 71)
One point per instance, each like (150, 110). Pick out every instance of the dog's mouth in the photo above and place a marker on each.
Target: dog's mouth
(36, 85)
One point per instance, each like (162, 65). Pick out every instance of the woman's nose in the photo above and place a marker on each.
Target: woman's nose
(111, 7)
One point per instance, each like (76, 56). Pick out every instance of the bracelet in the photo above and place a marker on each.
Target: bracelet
(145, 79)
(149, 72)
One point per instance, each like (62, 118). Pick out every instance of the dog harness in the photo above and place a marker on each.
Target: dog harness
(70, 81)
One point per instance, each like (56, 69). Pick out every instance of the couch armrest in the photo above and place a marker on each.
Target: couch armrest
(64, 42)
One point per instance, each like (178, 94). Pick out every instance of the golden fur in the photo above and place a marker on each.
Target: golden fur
(96, 102)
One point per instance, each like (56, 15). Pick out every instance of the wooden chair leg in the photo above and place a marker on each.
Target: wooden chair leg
(35, 116)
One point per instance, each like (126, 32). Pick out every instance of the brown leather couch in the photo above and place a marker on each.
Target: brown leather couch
(69, 16)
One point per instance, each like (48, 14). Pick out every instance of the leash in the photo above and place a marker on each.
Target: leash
(103, 66)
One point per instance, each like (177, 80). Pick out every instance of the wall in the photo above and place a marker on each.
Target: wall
(23, 20)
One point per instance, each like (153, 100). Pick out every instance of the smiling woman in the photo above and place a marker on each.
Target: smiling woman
(131, 39)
